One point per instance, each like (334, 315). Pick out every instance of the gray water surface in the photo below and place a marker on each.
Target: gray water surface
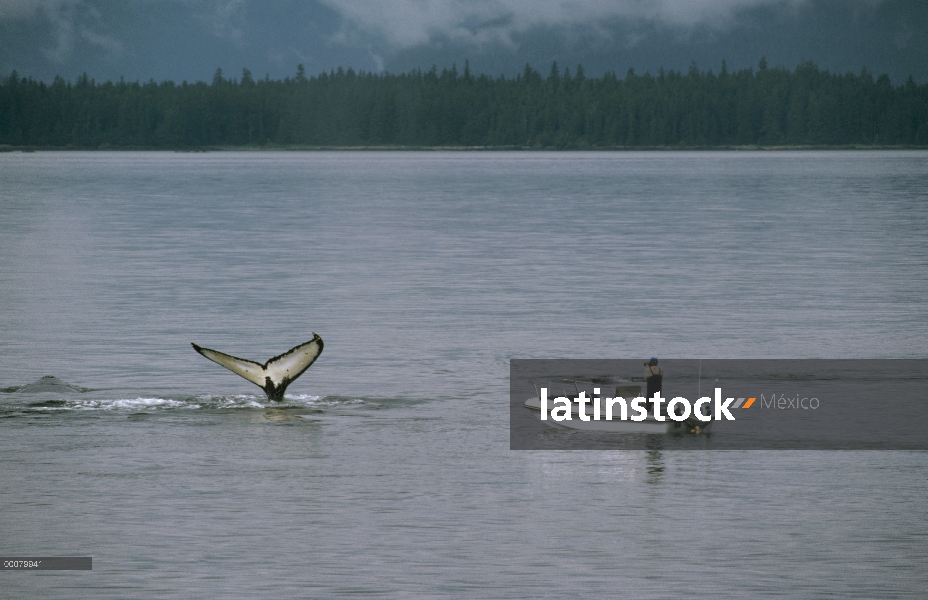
(387, 470)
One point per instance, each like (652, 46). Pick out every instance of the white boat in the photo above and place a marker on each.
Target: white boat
(649, 425)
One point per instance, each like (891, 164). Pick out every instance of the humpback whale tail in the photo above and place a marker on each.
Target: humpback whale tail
(276, 374)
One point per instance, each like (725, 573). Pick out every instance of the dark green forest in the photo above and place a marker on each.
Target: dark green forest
(807, 106)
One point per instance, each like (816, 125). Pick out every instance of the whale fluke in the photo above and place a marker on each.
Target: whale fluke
(276, 374)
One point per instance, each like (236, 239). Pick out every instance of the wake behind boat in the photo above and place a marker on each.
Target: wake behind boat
(649, 425)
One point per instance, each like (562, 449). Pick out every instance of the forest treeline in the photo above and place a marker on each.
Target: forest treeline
(766, 106)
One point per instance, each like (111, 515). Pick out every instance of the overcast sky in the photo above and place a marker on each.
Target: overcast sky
(190, 39)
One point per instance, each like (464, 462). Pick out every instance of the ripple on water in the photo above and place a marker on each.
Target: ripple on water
(31, 405)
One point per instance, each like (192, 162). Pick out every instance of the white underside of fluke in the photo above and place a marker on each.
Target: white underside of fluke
(279, 371)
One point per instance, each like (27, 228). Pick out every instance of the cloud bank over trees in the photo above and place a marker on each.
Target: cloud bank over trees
(406, 23)
(189, 39)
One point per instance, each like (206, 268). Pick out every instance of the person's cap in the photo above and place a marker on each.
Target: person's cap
(653, 360)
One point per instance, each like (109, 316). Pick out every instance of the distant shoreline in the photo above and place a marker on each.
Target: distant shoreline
(301, 148)
(756, 110)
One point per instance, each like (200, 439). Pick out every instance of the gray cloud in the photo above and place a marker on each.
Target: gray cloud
(21, 9)
(26, 9)
(189, 39)
(408, 23)
(70, 22)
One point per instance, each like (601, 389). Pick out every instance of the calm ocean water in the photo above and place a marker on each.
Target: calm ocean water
(387, 471)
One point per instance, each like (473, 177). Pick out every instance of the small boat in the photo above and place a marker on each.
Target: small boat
(616, 425)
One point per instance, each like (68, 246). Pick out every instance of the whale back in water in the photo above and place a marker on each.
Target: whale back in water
(49, 383)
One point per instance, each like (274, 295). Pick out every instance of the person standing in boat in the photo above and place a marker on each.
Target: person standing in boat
(653, 376)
